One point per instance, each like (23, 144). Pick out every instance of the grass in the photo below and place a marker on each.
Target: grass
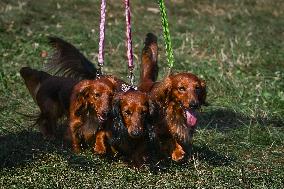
(236, 46)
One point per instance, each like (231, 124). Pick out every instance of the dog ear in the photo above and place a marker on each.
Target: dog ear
(161, 94)
(118, 127)
(203, 93)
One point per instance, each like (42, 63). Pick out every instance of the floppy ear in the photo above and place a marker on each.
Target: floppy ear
(203, 93)
(119, 128)
(80, 102)
(162, 92)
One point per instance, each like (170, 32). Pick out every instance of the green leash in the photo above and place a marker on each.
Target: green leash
(167, 36)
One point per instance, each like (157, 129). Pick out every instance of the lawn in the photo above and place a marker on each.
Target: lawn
(237, 46)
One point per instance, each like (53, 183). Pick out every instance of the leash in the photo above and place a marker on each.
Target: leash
(167, 36)
(129, 43)
(102, 38)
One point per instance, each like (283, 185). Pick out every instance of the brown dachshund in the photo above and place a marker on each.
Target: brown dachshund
(52, 95)
(90, 112)
(174, 102)
(130, 134)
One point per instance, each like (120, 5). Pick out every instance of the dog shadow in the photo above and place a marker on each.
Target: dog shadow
(213, 158)
(222, 120)
(19, 149)
(225, 120)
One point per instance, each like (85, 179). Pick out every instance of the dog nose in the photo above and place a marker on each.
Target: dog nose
(194, 104)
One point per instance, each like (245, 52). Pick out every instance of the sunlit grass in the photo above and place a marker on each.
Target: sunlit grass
(236, 46)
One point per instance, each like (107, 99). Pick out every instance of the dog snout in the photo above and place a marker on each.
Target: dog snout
(194, 104)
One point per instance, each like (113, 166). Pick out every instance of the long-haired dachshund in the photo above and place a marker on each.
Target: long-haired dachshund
(130, 134)
(52, 95)
(90, 112)
(174, 102)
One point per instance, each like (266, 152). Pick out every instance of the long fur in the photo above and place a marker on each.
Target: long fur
(149, 63)
(52, 94)
(33, 79)
(91, 105)
(169, 100)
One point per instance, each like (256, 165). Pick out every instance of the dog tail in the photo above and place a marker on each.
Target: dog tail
(68, 61)
(33, 79)
(149, 67)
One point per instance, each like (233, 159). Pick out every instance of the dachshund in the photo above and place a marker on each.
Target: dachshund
(90, 112)
(52, 95)
(174, 103)
(129, 133)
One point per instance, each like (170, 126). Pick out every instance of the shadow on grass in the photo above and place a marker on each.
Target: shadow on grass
(213, 158)
(225, 120)
(27, 146)
(18, 149)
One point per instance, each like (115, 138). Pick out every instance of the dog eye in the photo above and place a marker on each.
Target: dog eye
(97, 95)
(181, 89)
(127, 112)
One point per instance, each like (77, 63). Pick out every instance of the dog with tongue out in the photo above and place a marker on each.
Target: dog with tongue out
(174, 104)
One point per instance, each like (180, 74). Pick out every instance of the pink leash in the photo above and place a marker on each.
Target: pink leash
(102, 37)
(128, 42)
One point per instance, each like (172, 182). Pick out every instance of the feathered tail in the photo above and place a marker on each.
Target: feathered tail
(68, 61)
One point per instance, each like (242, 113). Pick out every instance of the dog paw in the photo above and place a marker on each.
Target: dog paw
(178, 155)
(76, 149)
(99, 149)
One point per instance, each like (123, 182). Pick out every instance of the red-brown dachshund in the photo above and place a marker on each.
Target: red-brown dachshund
(52, 93)
(174, 102)
(130, 134)
(90, 112)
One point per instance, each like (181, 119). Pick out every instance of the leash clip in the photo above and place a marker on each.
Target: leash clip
(99, 70)
(131, 77)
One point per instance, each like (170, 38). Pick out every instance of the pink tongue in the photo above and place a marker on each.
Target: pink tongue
(190, 118)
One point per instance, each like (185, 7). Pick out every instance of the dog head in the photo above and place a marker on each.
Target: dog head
(185, 90)
(130, 110)
(97, 95)
(188, 90)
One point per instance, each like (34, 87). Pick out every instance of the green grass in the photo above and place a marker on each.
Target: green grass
(237, 46)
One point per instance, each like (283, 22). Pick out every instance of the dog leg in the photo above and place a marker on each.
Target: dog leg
(178, 153)
(100, 147)
(74, 127)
